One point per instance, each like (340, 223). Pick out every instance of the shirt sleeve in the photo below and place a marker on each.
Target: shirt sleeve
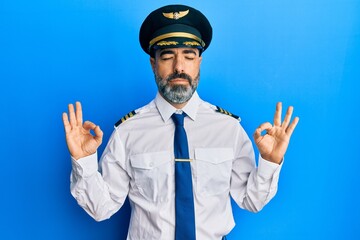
(94, 186)
(252, 187)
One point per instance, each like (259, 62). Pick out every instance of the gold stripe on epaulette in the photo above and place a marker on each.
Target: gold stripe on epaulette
(124, 118)
(223, 111)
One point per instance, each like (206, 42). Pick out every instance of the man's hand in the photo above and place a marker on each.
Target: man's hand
(80, 141)
(272, 146)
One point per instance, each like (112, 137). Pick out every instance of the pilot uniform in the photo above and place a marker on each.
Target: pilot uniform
(138, 161)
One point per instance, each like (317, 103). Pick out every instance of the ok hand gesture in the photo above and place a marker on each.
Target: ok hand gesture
(272, 146)
(80, 141)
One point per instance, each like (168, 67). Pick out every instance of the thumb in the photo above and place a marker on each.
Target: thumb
(96, 128)
(265, 126)
(98, 134)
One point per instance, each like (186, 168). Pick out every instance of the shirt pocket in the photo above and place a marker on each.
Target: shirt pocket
(213, 167)
(152, 173)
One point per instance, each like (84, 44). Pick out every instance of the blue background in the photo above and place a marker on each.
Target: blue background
(304, 53)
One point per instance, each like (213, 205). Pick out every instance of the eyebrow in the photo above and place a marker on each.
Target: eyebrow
(166, 52)
(186, 51)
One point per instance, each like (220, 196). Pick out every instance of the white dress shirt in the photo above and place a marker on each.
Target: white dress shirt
(138, 162)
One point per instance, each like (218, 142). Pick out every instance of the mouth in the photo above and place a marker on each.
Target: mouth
(182, 81)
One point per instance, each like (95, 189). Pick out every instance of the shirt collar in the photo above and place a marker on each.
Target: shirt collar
(166, 109)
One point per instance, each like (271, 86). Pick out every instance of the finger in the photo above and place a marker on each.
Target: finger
(89, 125)
(79, 117)
(277, 116)
(72, 115)
(292, 126)
(287, 118)
(265, 126)
(98, 134)
(66, 122)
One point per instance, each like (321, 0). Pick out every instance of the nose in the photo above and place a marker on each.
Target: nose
(178, 65)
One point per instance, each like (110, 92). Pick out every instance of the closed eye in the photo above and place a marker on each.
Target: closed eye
(164, 58)
(166, 54)
(190, 54)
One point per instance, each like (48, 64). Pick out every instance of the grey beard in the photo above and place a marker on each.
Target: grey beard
(178, 93)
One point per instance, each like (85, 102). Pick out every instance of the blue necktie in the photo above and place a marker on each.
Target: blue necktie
(184, 201)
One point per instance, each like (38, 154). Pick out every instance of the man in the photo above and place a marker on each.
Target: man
(179, 158)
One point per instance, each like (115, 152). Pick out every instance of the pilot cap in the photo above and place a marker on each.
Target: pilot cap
(175, 26)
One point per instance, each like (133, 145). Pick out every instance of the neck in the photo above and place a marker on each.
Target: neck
(178, 105)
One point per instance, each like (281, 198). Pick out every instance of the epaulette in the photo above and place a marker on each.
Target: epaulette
(220, 110)
(124, 118)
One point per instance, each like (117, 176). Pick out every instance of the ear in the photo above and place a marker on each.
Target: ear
(153, 63)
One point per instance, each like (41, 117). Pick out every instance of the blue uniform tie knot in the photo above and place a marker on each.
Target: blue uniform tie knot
(178, 119)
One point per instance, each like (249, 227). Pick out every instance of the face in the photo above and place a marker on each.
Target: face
(177, 73)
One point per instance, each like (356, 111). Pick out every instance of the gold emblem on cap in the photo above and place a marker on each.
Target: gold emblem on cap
(167, 43)
(176, 15)
(191, 43)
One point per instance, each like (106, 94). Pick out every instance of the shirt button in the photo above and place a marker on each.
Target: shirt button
(151, 164)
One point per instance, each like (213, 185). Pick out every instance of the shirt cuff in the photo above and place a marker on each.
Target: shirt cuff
(268, 169)
(86, 166)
